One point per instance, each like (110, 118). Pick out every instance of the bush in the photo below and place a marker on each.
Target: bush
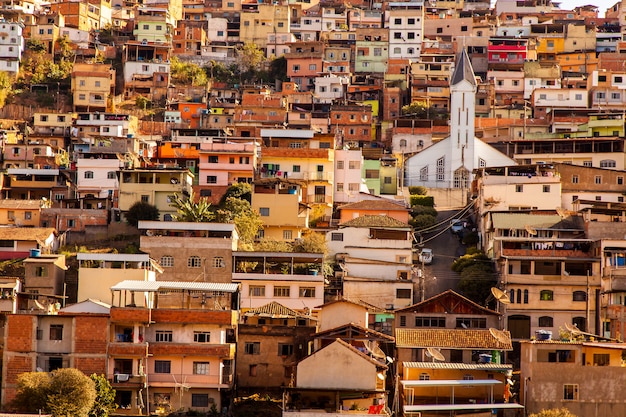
(422, 221)
(417, 190)
(422, 200)
(417, 210)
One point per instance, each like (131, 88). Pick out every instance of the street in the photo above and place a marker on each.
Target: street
(446, 247)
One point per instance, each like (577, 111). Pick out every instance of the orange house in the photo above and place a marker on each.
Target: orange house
(304, 63)
(192, 114)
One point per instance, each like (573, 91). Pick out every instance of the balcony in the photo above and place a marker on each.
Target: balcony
(196, 381)
(547, 253)
(616, 279)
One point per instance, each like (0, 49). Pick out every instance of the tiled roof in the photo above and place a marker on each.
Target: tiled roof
(26, 233)
(373, 205)
(451, 339)
(21, 204)
(359, 303)
(363, 355)
(448, 293)
(462, 366)
(364, 330)
(274, 310)
(375, 221)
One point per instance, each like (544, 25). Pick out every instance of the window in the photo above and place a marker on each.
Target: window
(281, 291)
(424, 174)
(213, 159)
(546, 188)
(28, 215)
(264, 211)
(257, 291)
(403, 293)
(410, 21)
(287, 234)
(441, 166)
(41, 271)
(252, 370)
(56, 332)
(546, 321)
(471, 323)
(570, 392)
(306, 292)
(579, 296)
(145, 198)
(218, 262)
(519, 188)
(354, 164)
(424, 376)
(601, 359)
(201, 368)
(88, 174)
(574, 179)
(70, 222)
(402, 321)
(620, 180)
(111, 175)
(312, 67)
(162, 367)
(608, 163)
(546, 295)
(202, 337)
(200, 400)
(194, 262)
(430, 322)
(163, 335)
(340, 187)
(211, 179)
(337, 237)
(252, 348)
(598, 179)
(285, 349)
(353, 186)
(397, 21)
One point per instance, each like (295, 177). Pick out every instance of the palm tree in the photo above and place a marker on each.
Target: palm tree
(191, 211)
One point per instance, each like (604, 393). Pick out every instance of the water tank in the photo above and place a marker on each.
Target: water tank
(543, 335)
(34, 253)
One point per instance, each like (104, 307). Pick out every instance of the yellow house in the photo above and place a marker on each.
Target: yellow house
(257, 25)
(20, 212)
(280, 204)
(312, 168)
(92, 85)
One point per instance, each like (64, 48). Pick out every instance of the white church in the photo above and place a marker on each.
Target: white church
(449, 163)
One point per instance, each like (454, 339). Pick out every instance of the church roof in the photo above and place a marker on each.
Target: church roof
(463, 70)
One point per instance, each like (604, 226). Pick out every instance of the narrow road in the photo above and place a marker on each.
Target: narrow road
(446, 247)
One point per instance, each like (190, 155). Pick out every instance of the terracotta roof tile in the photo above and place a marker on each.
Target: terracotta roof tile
(273, 309)
(375, 221)
(26, 233)
(462, 366)
(21, 204)
(450, 339)
(373, 205)
(366, 332)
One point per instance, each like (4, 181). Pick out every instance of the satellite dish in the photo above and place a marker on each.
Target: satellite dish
(39, 305)
(572, 328)
(389, 359)
(435, 354)
(499, 335)
(463, 325)
(380, 376)
(500, 295)
(531, 230)
(39, 369)
(561, 211)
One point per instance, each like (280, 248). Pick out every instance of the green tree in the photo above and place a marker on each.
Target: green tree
(6, 87)
(249, 59)
(416, 110)
(70, 393)
(31, 391)
(311, 242)
(477, 276)
(35, 45)
(187, 73)
(422, 221)
(247, 221)
(141, 211)
(241, 190)
(554, 412)
(189, 210)
(65, 392)
(104, 403)
(272, 245)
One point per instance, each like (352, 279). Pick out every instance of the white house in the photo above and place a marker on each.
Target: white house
(97, 176)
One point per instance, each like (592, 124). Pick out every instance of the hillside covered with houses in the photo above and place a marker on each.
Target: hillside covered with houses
(211, 200)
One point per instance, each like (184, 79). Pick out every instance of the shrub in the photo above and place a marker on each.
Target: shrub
(422, 200)
(417, 210)
(417, 190)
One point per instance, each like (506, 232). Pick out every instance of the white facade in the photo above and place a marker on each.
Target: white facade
(575, 98)
(531, 84)
(348, 180)
(97, 176)
(278, 44)
(11, 46)
(257, 290)
(330, 87)
(405, 21)
(217, 29)
(80, 38)
(145, 68)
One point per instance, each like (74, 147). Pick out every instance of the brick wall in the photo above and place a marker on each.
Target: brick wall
(91, 334)
(19, 330)
(91, 365)
(192, 316)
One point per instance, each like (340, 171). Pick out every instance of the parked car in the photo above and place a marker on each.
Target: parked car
(426, 256)
(457, 226)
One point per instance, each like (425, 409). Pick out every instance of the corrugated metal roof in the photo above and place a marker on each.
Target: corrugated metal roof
(459, 366)
(152, 286)
(274, 310)
(452, 339)
(158, 225)
(537, 221)
(32, 171)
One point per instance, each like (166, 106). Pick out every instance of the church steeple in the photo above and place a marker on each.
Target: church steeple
(463, 70)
